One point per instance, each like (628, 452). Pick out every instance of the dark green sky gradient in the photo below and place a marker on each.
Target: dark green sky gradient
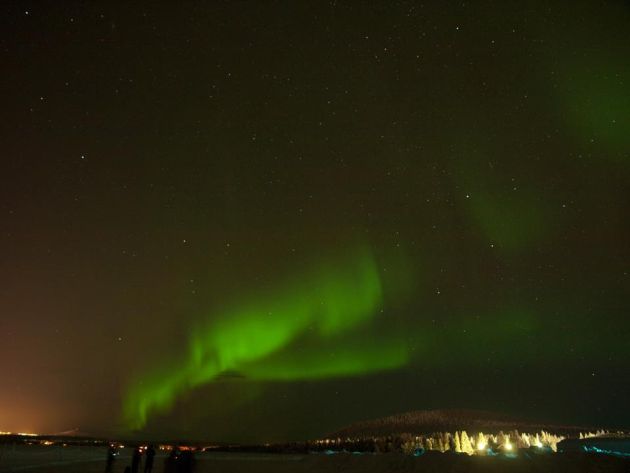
(481, 153)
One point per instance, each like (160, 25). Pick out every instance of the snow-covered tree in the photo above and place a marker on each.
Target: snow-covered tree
(465, 444)
(446, 441)
(440, 445)
(457, 446)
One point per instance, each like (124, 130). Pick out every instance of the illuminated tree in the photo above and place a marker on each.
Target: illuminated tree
(465, 444)
(457, 446)
(481, 442)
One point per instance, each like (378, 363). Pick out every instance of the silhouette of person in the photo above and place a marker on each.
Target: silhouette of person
(111, 456)
(135, 460)
(186, 462)
(170, 462)
(148, 463)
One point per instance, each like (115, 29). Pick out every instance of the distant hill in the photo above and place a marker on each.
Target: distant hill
(448, 420)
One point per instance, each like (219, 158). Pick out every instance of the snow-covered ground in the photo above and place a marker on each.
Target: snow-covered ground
(40, 459)
(53, 459)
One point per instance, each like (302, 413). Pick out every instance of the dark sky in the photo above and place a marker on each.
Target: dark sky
(264, 220)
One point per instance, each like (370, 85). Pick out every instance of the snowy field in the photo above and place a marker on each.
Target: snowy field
(38, 459)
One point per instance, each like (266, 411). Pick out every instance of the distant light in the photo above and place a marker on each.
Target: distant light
(508, 446)
(539, 444)
(481, 446)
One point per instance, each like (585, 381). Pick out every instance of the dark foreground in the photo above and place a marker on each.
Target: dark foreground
(92, 460)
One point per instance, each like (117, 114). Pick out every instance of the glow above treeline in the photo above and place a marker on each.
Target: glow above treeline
(21, 434)
(305, 329)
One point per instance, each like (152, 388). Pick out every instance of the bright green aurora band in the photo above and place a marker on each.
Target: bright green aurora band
(314, 315)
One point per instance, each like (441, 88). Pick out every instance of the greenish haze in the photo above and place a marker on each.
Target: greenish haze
(597, 102)
(512, 221)
(510, 334)
(318, 308)
(590, 83)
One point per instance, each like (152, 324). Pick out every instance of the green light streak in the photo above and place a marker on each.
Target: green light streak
(346, 357)
(300, 331)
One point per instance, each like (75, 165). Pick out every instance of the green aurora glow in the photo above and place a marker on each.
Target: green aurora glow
(318, 311)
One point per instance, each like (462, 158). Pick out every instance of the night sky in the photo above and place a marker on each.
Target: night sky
(257, 221)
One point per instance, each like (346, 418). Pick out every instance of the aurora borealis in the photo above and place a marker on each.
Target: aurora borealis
(251, 339)
(263, 221)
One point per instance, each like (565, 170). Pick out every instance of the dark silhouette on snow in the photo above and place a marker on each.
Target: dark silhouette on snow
(170, 462)
(111, 456)
(186, 462)
(179, 461)
(148, 463)
(135, 460)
